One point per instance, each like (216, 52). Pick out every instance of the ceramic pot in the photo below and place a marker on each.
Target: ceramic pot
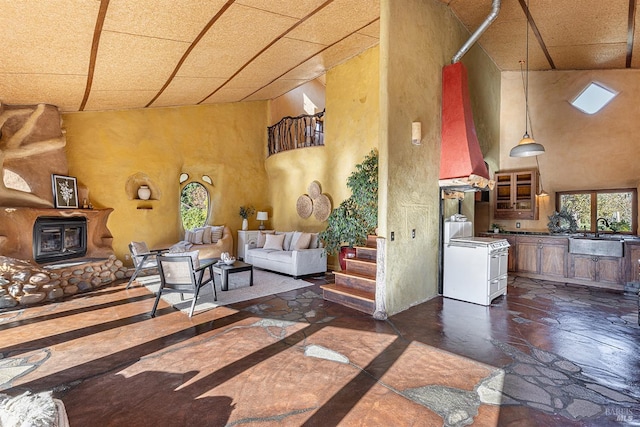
(144, 192)
(245, 224)
(345, 253)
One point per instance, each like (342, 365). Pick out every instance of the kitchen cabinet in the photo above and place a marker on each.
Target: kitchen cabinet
(515, 194)
(632, 254)
(545, 256)
(598, 269)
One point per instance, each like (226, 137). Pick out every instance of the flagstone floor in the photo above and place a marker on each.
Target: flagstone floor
(548, 354)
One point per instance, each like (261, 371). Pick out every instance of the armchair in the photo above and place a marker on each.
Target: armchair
(142, 258)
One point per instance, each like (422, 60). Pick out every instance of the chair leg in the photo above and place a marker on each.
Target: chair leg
(133, 276)
(213, 285)
(193, 304)
(155, 305)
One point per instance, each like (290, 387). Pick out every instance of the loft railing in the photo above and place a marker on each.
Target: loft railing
(296, 132)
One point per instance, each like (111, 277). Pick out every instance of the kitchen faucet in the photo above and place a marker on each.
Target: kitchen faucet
(606, 224)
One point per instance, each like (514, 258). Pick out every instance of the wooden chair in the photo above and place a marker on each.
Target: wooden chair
(142, 258)
(181, 273)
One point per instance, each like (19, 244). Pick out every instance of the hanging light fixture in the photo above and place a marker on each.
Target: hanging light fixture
(527, 146)
(542, 193)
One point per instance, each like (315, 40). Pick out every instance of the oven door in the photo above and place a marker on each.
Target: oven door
(498, 260)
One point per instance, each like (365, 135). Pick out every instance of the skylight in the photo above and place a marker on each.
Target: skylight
(593, 98)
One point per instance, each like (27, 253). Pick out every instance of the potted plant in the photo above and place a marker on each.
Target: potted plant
(357, 216)
(497, 228)
(246, 212)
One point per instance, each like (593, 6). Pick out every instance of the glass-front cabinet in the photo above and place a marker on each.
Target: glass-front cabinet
(515, 194)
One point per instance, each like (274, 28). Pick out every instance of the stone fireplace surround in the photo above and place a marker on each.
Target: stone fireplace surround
(23, 282)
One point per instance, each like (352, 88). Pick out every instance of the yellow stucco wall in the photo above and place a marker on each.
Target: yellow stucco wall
(417, 39)
(225, 141)
(351, 131)
(582, 151)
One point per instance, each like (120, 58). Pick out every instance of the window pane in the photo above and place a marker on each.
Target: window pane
(194, 205)
(616, 209)
(580, 206)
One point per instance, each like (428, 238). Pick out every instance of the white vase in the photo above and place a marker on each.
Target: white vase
(144, 192)
(245, 224)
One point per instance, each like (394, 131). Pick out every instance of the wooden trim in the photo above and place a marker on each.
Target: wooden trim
(97, 32)
(319, 8)
(190, 48)
(631, 29)
(536, 32)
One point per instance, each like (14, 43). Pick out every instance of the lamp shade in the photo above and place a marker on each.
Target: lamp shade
(262, 216)
(527, 147)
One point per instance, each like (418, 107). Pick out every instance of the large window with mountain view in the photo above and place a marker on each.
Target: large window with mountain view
(617, 207)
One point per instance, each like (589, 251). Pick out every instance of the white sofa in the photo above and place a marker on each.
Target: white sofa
(293, 257)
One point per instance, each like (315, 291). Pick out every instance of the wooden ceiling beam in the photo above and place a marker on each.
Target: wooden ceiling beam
(536, 32)
(97, 32)
(631, 29)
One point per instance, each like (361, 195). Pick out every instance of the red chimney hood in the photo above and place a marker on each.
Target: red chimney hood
(461, 161)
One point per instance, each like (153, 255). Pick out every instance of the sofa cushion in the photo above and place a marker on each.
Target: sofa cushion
(300, 241)
(206, 234)
(261, 253)
(288, 236)
(280, 256)
(274, 241)
(197, 236)
(262, 237)
(216, 233)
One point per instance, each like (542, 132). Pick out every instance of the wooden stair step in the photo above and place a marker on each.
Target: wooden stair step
(355, 280)
(366, 252)
(364, 266)
(372, 241)
(353, 298)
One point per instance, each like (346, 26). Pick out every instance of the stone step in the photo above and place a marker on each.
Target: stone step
(353, 298)
(357, 281)
(362, 266)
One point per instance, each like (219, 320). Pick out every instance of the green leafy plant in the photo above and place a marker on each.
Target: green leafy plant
(247, 211)
(498, 226)
(356, 217)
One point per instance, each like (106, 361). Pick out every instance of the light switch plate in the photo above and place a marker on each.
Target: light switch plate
(393, 236)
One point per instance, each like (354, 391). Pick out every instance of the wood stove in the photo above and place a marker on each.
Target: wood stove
(59, 238)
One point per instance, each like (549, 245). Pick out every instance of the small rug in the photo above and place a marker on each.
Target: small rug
(264, 283)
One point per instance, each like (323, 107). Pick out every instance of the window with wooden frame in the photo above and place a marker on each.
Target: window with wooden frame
(619, 207)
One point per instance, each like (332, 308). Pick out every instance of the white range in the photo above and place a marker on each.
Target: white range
(475, 268)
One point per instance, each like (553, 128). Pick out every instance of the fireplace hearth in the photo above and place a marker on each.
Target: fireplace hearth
(59, 238)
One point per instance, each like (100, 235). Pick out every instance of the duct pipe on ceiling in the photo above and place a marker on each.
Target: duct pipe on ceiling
(495, 8)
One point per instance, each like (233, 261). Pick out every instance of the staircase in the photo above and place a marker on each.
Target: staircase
(356, 286)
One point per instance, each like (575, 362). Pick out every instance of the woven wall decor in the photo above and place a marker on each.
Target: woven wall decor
(314, 190)
(322, 207)
(304, 206)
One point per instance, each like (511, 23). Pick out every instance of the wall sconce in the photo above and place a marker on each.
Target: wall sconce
(262, 217)
(416, 133)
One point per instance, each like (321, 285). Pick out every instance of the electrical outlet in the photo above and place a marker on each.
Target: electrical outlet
(393, 236)
(413, 233)
(517, 225)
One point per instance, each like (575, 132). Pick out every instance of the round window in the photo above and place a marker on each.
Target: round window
(194, 205)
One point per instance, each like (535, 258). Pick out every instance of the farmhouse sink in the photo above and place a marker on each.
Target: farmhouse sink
(597, 246)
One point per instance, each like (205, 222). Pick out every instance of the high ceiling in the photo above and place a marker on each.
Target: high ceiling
(86, 55)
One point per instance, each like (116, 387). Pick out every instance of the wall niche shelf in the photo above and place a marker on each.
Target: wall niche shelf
(135, 181)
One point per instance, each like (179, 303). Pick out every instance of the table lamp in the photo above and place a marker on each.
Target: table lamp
(262, 217)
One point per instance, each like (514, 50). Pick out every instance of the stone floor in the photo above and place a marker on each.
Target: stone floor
(548, 354)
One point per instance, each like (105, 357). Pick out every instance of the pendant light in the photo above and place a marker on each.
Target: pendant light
(527, 146)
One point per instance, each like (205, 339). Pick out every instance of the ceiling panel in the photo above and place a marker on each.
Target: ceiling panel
(47, 37)
(27, 89)
(591, 57)
(295, 9)
(228, 46)
(127, 62)
(188, 90)
(276, 89)
(118, 100)
(174, 20)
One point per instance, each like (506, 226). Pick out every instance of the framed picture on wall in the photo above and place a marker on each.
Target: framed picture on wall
(65, 191)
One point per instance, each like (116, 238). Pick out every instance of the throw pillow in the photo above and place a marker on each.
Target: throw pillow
(315, 242)
(302, 242)
(182, 246)
(216, 233)
(198, 234)
(288, 236)
(274, 241)
(206, 235)
(192, 254)
(189, 236)
(139, 248)
(262, 237)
